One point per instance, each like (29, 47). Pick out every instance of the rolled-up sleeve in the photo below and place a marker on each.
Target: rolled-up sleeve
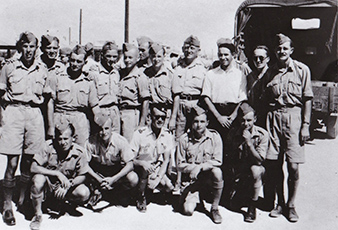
(143, 86)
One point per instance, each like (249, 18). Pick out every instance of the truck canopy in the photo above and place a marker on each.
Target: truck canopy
(311, 24)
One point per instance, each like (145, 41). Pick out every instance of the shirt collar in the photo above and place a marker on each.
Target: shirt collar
(206, 135)
(34, 66)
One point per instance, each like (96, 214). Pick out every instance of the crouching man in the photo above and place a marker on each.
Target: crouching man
(152, 147)
(247, 147)
(111, 161)
(60, 170)
(199, 157)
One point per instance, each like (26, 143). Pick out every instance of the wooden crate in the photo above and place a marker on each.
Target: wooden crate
(325, 97)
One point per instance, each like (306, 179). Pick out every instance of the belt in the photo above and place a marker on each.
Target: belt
(28, 104)
(108, 105)
(190, 97)
(283, 107)
(126, 106)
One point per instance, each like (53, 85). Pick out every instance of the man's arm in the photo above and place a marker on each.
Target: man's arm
(50, 118)
(124, 171)
(305, 132)
(144, 111)
(172, 121)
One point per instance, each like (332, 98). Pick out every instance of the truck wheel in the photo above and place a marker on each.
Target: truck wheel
(332, 126)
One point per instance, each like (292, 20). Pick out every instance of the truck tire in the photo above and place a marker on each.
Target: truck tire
(332, 126)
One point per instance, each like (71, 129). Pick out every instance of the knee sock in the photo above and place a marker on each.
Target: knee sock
(8, 185)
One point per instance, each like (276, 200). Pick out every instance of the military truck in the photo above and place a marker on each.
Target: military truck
(312, 26)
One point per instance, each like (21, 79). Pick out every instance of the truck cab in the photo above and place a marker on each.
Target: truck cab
(312, 26)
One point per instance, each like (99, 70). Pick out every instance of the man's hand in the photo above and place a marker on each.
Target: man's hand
(304, 134)
(60, 192)
(107, 183)
(225, 121)
(152, 184)
(194, 173)
(64, 180)
(149, 168)
(247, 136)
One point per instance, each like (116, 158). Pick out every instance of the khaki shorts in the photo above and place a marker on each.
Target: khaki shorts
(283, 126)
(22, 130)
(129, 122)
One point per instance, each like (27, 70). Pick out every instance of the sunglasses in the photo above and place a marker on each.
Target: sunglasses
(260, 58)
(157, 117)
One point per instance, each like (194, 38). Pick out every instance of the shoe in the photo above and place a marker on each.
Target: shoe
(141, 204)
(36, 222)
(8, 217)
(94, 199)
(216, 216)
(250, 216)
(276, 212)
(292, 214)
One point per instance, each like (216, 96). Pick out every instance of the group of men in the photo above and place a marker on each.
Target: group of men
(87, 130)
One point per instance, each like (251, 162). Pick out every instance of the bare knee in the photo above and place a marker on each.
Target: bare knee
(38, 181)
(217, 174)
(256, 172)
(293, 169)
(12, 165)
(81, 193)
(132, 179)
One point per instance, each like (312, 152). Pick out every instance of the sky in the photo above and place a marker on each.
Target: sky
(168, 22)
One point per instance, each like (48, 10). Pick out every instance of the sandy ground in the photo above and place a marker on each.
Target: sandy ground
(317, 204)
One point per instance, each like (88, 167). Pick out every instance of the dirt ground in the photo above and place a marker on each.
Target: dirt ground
(317, 204)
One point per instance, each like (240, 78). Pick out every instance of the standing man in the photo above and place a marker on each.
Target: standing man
(72, 96)
(90, 63)
(22, 84)
(224, 89)
(60, 170)
(187, 85)
(110, 160)
(65, 54)
(256, 84)
(288, 122)
(50, 51)
(199, 156)
(152, 147)
(247, 146)
(133, 93)
(144, 44)
(160, 79)
(106, 79)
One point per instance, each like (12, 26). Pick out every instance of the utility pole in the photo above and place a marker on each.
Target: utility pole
(126, 22)
(70, 35)
(80, 27)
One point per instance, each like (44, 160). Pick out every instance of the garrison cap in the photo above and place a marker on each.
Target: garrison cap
(24, 38)
(193, 41)
(155, 48)
(47, 40)
(101, 119)
(197, 111)
(281, 38)
(89, 47)
(128, 46)
(109, 45)
(144, 39)
(227, 43)
(65, 50)
(160, 106)
(63, 125)
(245, 108)
(78, 49)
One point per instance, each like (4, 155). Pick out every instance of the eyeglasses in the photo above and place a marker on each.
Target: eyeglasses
(157, 117)
(260, 58)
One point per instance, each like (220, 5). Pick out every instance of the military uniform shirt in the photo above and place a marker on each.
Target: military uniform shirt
(160, 84)
(225, 86)
(240, 151)
(208, 148)
(118, 151)
(188, 79)
(106, 85)
(73, 165)
(72, 94)
(133, 87)
(147, 147)
(23, 84)
(291, 85)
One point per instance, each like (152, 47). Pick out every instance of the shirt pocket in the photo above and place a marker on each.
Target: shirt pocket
(64, 93)
(102, 88)
(295, 87)
(39, 85)
(17, 84)
(83, 96)
(274, 87)
(196, 81)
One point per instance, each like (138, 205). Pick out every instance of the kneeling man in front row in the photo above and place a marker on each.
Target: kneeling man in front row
(199, 157)
(60, 171)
